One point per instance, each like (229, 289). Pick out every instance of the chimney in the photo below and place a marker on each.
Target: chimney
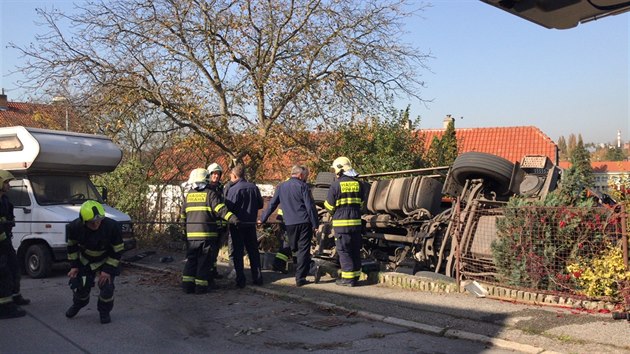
(447, 120)
(4, 103)
(618, 138)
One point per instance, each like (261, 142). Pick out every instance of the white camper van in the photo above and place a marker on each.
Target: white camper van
(52, 170)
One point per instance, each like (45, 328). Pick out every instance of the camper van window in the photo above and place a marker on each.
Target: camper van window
(18, 195)
(63, 189)
(10, 143)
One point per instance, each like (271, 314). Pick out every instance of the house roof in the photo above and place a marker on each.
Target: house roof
(34, 115)
(511, 143)
(603, 166)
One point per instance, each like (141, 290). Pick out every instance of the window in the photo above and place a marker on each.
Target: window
(10, 143)
(18, 194)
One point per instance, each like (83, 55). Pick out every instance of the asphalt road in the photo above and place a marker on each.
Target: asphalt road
(151, 314)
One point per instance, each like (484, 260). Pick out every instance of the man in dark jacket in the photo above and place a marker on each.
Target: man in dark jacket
(344, 201)
(244, 199)
(10, 297)
(95, 246)
(300, 218)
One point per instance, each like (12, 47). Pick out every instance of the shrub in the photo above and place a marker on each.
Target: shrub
(536, 241)
(602, 275)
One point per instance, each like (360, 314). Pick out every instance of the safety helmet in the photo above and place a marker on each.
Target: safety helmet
(91, 210)
(214, 167)
(5, 176)
(341, 164)
(198, 175)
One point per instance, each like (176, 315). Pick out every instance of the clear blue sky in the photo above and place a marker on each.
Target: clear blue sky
(489, 69)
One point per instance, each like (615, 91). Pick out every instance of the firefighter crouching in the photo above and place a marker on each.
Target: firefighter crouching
(95, 246)
(344, 201)
(201, 204)
(284, 252)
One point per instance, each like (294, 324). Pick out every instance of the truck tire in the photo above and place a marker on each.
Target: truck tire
(324, 179)
(495, 170)
(319, 195)
(38, 261)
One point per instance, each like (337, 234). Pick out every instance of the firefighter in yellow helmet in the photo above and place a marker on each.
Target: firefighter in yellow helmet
(95, 246)
(202, 207)
(10, 297)
(345, 199)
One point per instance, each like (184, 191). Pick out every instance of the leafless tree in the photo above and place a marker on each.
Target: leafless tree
(239, 73)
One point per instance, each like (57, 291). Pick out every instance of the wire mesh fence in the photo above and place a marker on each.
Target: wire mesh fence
(580, 251)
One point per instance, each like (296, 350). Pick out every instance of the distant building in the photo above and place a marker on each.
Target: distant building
(605, 173)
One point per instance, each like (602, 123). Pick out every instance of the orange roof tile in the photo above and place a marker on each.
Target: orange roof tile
(511, 143)
(34, 115)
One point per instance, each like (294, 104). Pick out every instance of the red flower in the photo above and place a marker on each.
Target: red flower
(563, 223)
(580, 245)
(577, 274)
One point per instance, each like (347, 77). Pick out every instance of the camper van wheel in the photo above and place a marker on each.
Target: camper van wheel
(38, 261)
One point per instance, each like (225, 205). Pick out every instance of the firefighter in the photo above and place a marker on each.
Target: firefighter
(10, 298)
(95, 246)
(215, 172)
(284, 253)
(344, 201)
(202, 206)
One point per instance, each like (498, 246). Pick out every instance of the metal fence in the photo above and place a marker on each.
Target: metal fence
(582, 251)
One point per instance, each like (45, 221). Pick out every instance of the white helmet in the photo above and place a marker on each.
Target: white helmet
(214, 167)
(341, 164)
(198, 175)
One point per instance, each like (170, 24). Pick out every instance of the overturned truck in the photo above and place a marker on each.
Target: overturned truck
(429, 220)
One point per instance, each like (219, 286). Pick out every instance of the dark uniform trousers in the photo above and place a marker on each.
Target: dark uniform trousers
(300, 236)
(7, 286)
(349, 250)
(199, 264)
(82, 284)
(244, 239)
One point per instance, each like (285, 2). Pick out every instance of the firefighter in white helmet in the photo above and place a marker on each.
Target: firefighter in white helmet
(202, 207)
(345, 199)
(215, 172)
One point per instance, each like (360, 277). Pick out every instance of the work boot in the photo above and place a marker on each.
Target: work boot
(73, 310)
(11, 310)
(346, 282)
(240, 283)
(20, 300)
(105, 317)
(215, 274)
(200, 290)
(189, 288)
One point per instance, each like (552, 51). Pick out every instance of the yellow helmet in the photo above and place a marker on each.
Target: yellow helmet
(198, 175)
(341, 164)
(5, 176)
(91, 210)
(214, 167)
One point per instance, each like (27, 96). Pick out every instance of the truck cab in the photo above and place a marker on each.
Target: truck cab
(52, 172)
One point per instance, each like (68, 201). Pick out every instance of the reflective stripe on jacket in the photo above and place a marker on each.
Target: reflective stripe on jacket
(201, 211)
(344, 201)
(99, 249)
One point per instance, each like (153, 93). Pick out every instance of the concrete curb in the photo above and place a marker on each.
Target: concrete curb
(420, 327)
